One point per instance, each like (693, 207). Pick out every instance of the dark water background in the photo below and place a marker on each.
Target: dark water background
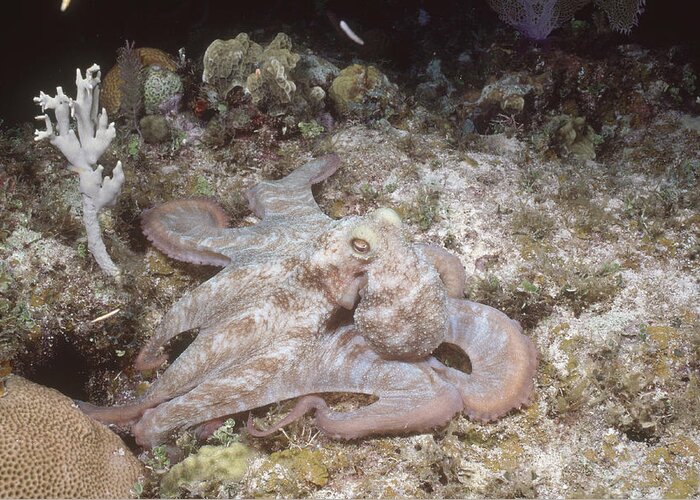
(42, 46)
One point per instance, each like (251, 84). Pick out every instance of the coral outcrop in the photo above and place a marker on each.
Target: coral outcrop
(50, 449)
(363, 92)
(160, 87)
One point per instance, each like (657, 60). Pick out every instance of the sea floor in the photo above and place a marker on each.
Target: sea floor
(579, 216)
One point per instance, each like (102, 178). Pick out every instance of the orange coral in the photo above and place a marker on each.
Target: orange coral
(111, 95)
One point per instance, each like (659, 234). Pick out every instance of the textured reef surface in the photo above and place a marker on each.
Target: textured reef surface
(558, 184)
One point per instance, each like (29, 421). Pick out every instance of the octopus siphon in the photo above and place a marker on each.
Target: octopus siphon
(307, 305)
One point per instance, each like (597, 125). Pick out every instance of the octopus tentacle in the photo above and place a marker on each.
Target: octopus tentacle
(190, 312)
(301, 408)
(448, 266)
(249, 384)
(120, 415)
(196, 230)
(291, 196)
(200, 357)
(196, 309)
(411, 397)
(187, 230)
(397, 413)
(503, 360)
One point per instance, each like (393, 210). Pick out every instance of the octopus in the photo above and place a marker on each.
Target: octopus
(306, 305)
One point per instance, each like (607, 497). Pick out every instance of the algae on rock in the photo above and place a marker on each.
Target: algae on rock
(291, 473)
(211, 465)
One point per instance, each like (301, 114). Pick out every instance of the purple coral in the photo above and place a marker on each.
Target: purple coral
(537, 18)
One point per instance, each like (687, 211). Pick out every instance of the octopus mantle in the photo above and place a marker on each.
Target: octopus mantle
(271, 323)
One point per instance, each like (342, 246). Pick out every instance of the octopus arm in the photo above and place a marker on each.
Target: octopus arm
(448, 266)
(503, 360)
(207, 307)
(411, 398)
(196, 230)
(291, 196)
(190, 312)
(196, 370)
(188, 230)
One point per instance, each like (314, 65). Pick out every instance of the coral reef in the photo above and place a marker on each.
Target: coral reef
(50, 449)
(487, 150)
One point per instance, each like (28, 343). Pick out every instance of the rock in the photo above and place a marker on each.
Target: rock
(155, 129)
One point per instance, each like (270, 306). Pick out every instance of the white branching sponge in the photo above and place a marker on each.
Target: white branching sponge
(83, 151)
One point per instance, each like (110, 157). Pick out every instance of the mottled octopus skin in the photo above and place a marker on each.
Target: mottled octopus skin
(271, 328)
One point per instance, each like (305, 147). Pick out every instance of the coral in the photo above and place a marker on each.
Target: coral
(537, 18)
(575, 137)
(437, 88)
(83, 151)
(113, 82)
(160, 86)
(272, 82)
(315, 71)
(273, 326)
(211, 464)
(622, 14)
(50, 449)
(363, 91)
(227, 63)
(131, 84)
(265, 74)
(310, 130)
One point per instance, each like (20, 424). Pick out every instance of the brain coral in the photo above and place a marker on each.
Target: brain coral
(159, 86)
(50, 449)
(110, 89)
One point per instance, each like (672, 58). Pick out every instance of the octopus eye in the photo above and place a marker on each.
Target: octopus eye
(360, 245)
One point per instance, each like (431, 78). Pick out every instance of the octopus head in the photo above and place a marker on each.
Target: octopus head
(342, 255)
(402, 312)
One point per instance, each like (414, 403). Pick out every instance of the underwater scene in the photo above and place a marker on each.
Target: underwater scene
(334, 249)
